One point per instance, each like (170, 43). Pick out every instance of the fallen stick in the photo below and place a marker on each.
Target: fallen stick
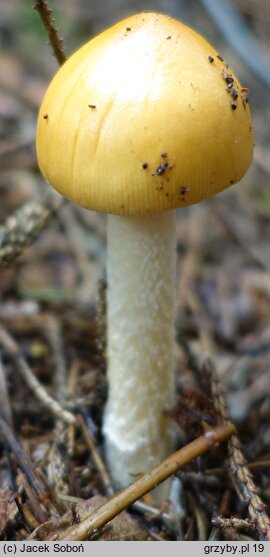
(119, 502)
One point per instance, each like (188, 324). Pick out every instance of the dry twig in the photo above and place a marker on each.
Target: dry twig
(41, 394)
(148, 481)
(96, 457)
(53, 331)
(232, 522)
(199, 517)
(223, 510)
(22, 458)
(237, 462)
(4, 397)
(46, 15)
(23, 227)
(86, 272)
(240, 230)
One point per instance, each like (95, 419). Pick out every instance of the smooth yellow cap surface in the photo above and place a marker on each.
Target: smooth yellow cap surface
(144, 118)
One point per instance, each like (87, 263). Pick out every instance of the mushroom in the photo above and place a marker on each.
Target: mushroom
(140, 121)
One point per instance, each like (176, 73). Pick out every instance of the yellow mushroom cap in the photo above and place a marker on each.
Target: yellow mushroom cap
(145, 117)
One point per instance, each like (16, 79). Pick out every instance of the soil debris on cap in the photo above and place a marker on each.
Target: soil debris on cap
(234, 94)
(161, 168)
(244, 95)
(183, 190)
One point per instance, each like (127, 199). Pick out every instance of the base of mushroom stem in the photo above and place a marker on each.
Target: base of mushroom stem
(119, 463)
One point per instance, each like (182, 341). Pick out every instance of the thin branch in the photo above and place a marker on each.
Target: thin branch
(237, 462)
(4, 397)
(86, 271)
(41, 394)
(23, 227)
(234, 221)
(96, 457)
(22, 458)
(33, 513)
(47, 19)
(232, 522)
(53, 331)
(148, 481)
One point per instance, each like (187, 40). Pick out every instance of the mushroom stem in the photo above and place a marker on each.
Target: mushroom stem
(141, 300)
